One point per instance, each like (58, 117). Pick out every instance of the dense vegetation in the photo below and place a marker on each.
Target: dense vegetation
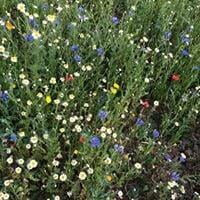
(99, 100)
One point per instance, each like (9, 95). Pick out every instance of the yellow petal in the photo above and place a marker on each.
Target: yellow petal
(113, 90)
(48, 99)
(116, 86)
(109, 178)
(9, 26)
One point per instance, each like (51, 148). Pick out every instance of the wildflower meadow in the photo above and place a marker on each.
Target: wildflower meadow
(99, 99)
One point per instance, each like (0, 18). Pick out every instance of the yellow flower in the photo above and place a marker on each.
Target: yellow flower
(21, 7)
(9, 25)
(113, 90)
(48, 99)
(13, 59)
(109, 178)
(51, 18)
(13, 86)
(116, 86)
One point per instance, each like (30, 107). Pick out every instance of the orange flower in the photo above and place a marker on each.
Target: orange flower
(9, 25)
(82, 139)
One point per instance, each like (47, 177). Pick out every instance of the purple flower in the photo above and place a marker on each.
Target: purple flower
(139, 122)
(95, 141)
(168, 35)
(115, 20)
(102, 114)
(74, 48)
(156, 133)
(168, 158)
(185, 53)
(119, 148)
(29, 38)
(175, 176)
(182, 158)
(77, 58)
(100, 51)
(4, 96)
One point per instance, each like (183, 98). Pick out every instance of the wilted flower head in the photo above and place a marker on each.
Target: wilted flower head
(168, 35)
(45, 6)
(100, 51)
(95, 141)
(81, 9)
(33, 23)
(185, 39)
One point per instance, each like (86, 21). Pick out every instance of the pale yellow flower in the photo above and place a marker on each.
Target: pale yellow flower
(51, 18)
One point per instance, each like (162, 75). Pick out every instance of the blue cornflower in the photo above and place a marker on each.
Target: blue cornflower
(95, 141)
(29, 38)
(168, 35)
(77, 58)
(175, 176)
(4, 96)
(156, 133)
(185, 39)
(102, 114)
(185, 52)
(119, 148)
(115, 20)
(12, 138)
(33, 23)
(100, 51)
(139, 122)
(74, 48)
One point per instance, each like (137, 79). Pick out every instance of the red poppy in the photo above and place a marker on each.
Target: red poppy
(175, 77)
(145, 104)
(69, 77)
